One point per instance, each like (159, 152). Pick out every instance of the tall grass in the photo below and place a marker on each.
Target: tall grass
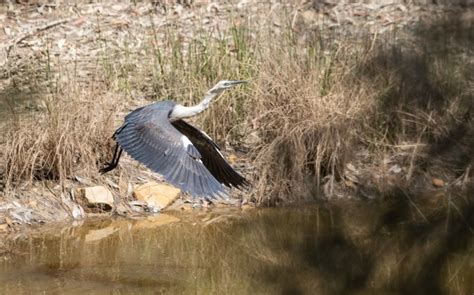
(72, 135)
(67, 130)
(308, 107)
(308, 100)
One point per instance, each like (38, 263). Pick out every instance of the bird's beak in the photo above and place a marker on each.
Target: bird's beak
(239, 82)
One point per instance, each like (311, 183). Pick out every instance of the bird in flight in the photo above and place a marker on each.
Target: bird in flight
(157, 136)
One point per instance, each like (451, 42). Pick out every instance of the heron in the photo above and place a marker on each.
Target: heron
(157, 136)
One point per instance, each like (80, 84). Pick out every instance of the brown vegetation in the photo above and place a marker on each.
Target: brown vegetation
(69, 134)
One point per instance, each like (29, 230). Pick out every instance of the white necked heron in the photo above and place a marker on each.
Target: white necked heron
(157, 136)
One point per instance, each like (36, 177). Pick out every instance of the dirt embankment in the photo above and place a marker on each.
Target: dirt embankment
(340, 105)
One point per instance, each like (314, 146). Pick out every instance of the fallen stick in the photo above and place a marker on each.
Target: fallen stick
(35, 31)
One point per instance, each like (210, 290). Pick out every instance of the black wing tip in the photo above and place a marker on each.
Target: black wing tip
(238, 182)
(245, 184)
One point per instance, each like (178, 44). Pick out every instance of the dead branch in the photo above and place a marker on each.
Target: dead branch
(34, 32)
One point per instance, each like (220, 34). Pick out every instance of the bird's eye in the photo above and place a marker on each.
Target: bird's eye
(226, 84)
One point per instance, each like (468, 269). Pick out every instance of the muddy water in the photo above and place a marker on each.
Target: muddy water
(346, 248)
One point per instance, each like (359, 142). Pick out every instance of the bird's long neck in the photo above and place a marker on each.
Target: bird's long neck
(180, 111)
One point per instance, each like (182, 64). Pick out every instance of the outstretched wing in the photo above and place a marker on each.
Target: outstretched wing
(148, 136)
(211, 156)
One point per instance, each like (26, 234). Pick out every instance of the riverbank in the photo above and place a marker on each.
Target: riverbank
(344, 100)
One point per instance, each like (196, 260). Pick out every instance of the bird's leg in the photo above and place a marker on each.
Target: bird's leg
(113, 164)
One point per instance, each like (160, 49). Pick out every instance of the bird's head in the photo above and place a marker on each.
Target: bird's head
(225, 84)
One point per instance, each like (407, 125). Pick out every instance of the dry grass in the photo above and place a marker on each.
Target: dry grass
(306, 109)
(69, 134)
(303, 108)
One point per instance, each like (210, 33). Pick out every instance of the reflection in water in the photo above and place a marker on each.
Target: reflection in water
(348, 247)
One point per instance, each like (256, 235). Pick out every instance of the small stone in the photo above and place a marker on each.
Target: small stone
(3, 227)
(395, 169)
(351, 167)
(77, 212)
(156, 195)
(186, 207)
(232, 158)
(138, 206)
(437, 182)
(95, 195)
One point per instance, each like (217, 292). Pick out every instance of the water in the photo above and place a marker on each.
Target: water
(352, 247)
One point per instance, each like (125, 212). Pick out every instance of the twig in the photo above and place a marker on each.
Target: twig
(414, 205)
(35, 31)
(413, 155)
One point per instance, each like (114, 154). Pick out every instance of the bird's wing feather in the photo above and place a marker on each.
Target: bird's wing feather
(211, 156)
(148, 136)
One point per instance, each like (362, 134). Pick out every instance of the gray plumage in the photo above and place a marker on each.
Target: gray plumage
(156, 136)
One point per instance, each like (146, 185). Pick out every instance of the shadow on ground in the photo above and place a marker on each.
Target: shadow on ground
(429, 97)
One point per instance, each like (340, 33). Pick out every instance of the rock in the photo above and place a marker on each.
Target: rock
(4, 227)
(96, 195)
(138, 206)
(156, 195)
(351, 167)
(186, 207)
(232, 158)
(82, 180)
(22, 215)
(395, 169)
(437, 182)
(77, 212)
